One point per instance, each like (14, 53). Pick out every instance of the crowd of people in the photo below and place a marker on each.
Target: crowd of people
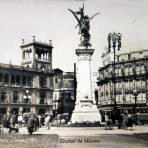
(34, 121)
(29, 120)
(122, 121)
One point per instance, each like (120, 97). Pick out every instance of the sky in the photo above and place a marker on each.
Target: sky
(50, 20)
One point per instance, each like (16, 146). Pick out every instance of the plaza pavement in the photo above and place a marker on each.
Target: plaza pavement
(89, 131)
(137, 138)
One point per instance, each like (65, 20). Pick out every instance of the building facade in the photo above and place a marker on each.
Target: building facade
(127, 89)
(28, 87)
(64, 93)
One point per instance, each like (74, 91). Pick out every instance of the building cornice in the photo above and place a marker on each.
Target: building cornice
(36, 43)
(24, 69)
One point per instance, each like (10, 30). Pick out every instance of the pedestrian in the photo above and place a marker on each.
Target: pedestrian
(7, 124)
(130, 121)
(20, 121)
(13, 120)
(120, 120)
(39, 117)
(125, 121)
(25, 118)
(108, 122)
(31, 125)
(47, 121)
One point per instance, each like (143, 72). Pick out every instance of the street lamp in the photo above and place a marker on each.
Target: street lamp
(114, 40)
(123, 93)
(135, 93)
(27, 98)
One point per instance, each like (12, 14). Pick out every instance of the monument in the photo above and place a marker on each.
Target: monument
(85, 106)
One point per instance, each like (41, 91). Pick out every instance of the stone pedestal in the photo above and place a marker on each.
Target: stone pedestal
(85, 108)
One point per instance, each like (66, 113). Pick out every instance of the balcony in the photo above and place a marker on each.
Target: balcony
(42, 102)
(141, 101)
(26, 101)
(3, 101)
(16, 101)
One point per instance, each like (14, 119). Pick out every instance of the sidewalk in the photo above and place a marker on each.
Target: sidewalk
(92, 131)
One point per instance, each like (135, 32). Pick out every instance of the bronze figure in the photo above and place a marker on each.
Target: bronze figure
(84, 25)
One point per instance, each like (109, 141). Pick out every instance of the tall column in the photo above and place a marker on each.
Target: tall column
(84, 74)
(85, 108)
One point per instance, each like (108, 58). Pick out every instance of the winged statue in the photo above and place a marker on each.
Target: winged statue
(83, 23)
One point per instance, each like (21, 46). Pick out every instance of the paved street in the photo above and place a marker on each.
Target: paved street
(98, 137)
(90, 131)
(105, 141)
(92, 137)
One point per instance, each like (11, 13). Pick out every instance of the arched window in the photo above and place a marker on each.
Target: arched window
(41, 111)
(14, 110)
(12, 79)
(3, 97)
(29, 81)
(23, 54)
(15, 97)
(3, 110)
(27, 109)
(142, 70)
(18, 80)
(137, 69)
(43, 81)
(42, 97)
(24, 80)
(1, 77)
(6, 78)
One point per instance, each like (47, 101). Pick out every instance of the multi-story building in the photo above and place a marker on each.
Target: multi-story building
(127, 89)
(28, 87)
(64, 93)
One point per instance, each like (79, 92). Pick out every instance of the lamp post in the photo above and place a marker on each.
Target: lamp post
(135, 109)
(123, 86)
(27, 98)
(114, 40)
(60, 101)
(123, 93)
(146, 76)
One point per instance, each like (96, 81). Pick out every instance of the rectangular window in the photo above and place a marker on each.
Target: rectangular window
(127, 84)
(138, 69)
(119, 71)
(130, 70)
(56, 80)
(116, 72)
(1, 77)
(138, 84)
(51, 82)
(24, 81)
(3, 97)
(126, 70)
(118, 58)
(143, 84)
(142, 69)
(129, 56)
(117, 98)
(29, 81)
(131, 84)
(128, 100)
(43, 81)
(15, 97)
(18, 80)
(42, 97)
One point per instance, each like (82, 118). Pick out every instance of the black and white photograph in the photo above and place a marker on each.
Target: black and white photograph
(73, 73)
